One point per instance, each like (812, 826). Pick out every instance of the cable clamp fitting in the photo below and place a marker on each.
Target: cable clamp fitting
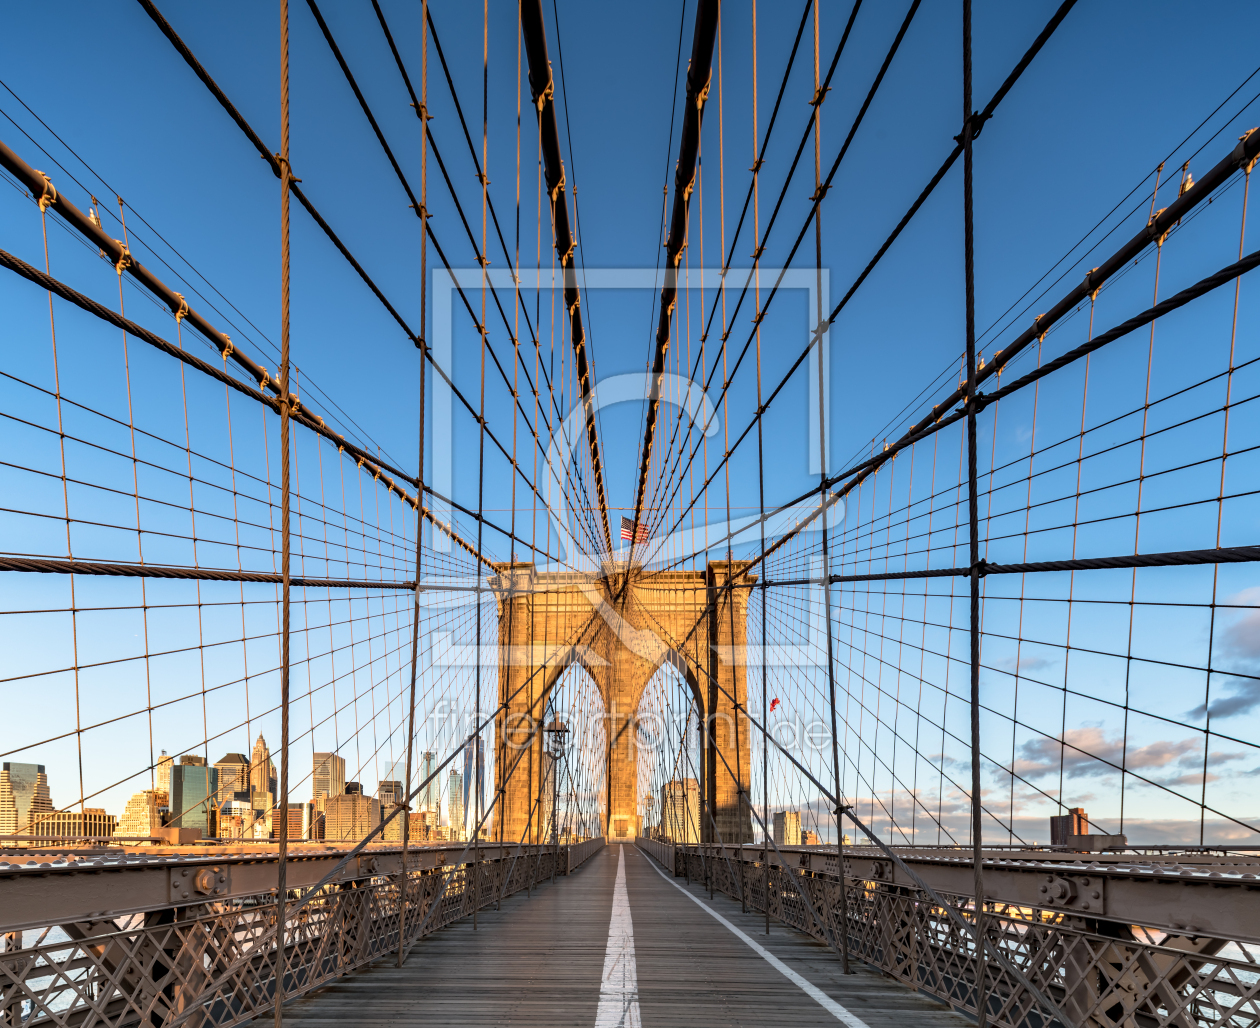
(1153, 229)
(283, 162)
(820, 94)
(974, 123)
(124, 258)
(702, 94)
(228, 348)
(48, 195)
(1240, 151)
(182, 312)
(265, 380)
(1091, 290)
(558, 188)
(547, 92)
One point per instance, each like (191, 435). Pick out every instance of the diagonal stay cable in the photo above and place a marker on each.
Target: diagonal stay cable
(273, 163)
(817, 198)
(996, 953)
(818, 99)
(371, 463)
(987, 113)
(423, 215)
(571, 471)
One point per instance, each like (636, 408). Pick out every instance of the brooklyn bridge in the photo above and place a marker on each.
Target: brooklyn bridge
(457, 598)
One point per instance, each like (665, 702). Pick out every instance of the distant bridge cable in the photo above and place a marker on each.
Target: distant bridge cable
(421, 109)
(699, 76)
(663, 476)
(819, 193)
(1005, 88)
(542, 89)
(421, 212)
(236, 116)
(309, 384)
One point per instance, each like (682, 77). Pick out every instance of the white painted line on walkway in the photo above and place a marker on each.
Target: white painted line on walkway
(619, 988)
(807, 987)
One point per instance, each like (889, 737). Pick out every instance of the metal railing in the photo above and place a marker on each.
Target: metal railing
(1101, 974)
(214, 963)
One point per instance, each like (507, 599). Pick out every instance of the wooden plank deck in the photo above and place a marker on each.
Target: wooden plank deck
(539, 961)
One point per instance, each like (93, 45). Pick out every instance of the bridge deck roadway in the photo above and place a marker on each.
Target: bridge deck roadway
(541, 961)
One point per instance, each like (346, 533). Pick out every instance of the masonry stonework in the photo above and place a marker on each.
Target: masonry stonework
(622, 627)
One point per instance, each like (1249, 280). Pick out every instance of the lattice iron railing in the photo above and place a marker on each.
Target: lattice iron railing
(1101, 974)
(214, 964)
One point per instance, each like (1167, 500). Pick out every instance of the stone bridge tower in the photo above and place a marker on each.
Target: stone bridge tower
(621, 627)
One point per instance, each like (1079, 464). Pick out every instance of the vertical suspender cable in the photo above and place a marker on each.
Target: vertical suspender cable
(699, 76)
(481, 451)
(542, 89)
(761, 502)
(823, 441)
(422, 113)
(973, 517)
(285, 541)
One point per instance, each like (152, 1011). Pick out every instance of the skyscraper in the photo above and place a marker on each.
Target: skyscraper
(473, 768)
(262, 772)
(350, 816)
(430, 795)
(680, 810)
(787, 828)
(455, 805)
(546, 797)
(163, 784)
(328, 776)
(23, 794)
(194, 789)
(233, 771)
(390, 793)
(140, 817)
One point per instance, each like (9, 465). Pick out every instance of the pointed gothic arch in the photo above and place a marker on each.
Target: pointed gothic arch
(622, 626)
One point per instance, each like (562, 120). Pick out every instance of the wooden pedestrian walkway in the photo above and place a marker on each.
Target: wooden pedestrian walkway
(570, 955)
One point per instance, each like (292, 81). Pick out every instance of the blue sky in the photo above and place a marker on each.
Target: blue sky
(1117, 89)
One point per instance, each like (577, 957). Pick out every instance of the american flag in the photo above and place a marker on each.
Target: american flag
(627, 527)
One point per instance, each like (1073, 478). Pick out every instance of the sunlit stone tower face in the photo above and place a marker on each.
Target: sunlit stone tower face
(621, 628)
